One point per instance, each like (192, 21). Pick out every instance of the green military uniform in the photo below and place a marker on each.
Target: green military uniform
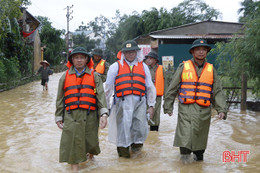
(103, 76)
(193, 120)
(80, 131)
(157, 109)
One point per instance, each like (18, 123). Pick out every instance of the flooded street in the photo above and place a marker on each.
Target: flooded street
(30, 139)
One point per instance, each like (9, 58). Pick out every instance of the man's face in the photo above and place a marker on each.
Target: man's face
(130, 55)
(151, 61)
(97, 57)
(199, 53)
(79, 61)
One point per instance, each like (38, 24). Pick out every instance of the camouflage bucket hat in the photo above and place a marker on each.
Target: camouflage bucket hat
(130, 45)
(153, 55)
(78, 50)
(198, 43)
(97, 52)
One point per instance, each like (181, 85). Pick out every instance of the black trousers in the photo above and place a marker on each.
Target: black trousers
(154, 128)
(198, 153)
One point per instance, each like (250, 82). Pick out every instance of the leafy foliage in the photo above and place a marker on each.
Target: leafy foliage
(82, 41)
(242, 54)
(51, 38)
(129, 27)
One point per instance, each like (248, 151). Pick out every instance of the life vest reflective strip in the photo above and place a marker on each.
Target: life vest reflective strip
(130, 81)
(159, 81)
(80, 92)
(100, 68)
(193, 89)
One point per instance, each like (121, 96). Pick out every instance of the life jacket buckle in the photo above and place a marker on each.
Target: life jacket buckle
(88, 110)
(123, 97)
(69, 111)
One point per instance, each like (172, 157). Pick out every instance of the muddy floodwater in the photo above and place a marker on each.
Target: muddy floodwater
(29, 140)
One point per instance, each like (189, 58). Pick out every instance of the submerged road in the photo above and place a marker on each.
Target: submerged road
(29, 139)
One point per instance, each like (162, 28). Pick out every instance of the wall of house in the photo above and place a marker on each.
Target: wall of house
(36, 52)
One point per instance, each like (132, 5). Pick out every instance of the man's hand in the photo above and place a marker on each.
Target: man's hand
(103, 121)
(151, 112)
(221, 116)
(60, 124)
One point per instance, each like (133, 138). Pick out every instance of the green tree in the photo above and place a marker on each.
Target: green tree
(242, 54)
(99, 26)
(9, 9)
(166, 20)
(190, 11)
(248, 10)
(132, 26)
(151, 20)
(51, 37)
(15, 55)
(82, 40)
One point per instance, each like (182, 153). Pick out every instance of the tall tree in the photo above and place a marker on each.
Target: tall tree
(151, 20)
(196, 10)
(9, 9)
(243, 54)
(131, 26)
(248, 10)
(51, 37)
(81, 40)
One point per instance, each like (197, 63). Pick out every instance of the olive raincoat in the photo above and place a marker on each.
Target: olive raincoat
(193, 120)
(157, 109)
(80, 131)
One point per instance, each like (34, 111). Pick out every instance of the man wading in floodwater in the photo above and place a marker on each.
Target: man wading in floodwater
(81, 94)
(198, 88)
(129, 80)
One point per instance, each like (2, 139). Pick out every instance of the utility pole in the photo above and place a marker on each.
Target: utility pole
(68, 20)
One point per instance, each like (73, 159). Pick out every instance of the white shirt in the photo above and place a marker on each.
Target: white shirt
(111, 77)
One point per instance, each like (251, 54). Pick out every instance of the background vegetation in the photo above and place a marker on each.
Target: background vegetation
(242, 55)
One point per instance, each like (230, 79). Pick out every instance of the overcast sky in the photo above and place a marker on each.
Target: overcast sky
(87, 10)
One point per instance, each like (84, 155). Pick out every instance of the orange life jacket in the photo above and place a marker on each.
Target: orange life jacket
(159, 81)
(193, 89)
(100, 68)
(80, 92)
(130, 81)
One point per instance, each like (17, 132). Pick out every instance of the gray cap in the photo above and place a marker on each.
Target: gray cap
(153, 55)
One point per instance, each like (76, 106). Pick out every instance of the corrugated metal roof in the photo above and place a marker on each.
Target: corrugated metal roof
(193, 36)
(195, 23)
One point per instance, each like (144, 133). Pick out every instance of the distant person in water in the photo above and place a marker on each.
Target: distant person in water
(45, 71)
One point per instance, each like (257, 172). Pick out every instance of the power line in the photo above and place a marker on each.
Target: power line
(36, 7)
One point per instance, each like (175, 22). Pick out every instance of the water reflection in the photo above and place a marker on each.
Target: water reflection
(30, 139)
